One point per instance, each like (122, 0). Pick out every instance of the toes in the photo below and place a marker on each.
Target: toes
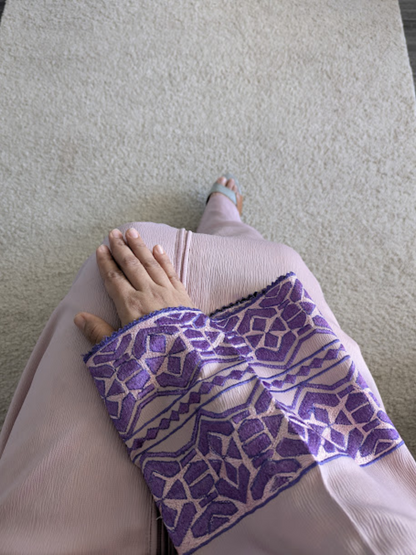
(231, 185)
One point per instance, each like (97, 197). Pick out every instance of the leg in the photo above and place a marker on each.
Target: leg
(67, 484)
(221, 217)
(231, 268)
(66, 481)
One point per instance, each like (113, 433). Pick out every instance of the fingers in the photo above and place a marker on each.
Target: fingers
(115, 281)
(167, 266)
(136, 260)
(93, 327)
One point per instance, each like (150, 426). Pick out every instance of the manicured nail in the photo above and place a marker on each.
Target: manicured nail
(132, 232)
(159, 249)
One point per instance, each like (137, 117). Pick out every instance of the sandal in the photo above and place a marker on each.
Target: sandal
(218, 188)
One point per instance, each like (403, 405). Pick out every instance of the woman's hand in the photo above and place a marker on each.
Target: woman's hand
(138, 281)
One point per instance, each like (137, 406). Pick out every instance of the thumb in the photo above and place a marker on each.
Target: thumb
(93, 327)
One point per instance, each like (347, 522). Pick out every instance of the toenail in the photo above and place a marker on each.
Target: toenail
(116, 233)
(222, 180)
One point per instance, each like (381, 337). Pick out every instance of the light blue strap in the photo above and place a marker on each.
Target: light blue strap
(218, 188)
(231, 176)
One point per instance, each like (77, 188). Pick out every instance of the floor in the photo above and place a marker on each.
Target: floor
(408, 10)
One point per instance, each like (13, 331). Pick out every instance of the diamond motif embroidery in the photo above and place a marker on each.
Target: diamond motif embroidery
(222, 413)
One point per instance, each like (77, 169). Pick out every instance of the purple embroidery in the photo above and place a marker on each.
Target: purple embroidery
(222, 413)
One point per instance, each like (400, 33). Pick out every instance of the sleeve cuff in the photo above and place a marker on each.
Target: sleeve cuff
(107, 340)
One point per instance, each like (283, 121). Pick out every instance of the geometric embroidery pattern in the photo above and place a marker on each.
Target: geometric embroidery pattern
(223, 412)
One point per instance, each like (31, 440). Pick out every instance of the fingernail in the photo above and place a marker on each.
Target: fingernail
(133, 232)
(79, 321)
(159, 249)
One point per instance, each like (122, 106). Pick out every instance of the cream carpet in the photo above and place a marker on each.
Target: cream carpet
(114, 112)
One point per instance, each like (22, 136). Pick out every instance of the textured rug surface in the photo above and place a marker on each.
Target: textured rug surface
(128, 111)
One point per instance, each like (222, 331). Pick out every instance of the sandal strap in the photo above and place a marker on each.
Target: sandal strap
(232, 176)
(218, 188)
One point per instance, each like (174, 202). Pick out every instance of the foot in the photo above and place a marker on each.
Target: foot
(230, 184)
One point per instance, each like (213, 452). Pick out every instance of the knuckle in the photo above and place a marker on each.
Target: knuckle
(129, 261)
(91, 329)
(174, 279)
(112, 275)
(150, 263)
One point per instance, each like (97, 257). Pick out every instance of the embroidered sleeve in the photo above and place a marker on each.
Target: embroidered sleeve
(223, 413)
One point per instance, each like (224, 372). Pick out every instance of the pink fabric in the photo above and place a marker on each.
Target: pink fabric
(224, 413)
(222, 218)
(67, 484)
